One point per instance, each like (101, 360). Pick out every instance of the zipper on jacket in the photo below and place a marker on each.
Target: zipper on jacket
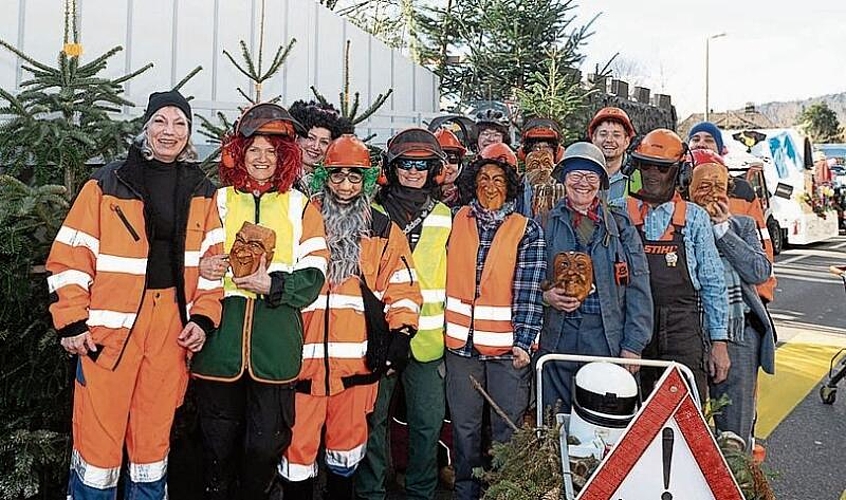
(137, 312)
(407, 268)
(126, 223)
(326, 342)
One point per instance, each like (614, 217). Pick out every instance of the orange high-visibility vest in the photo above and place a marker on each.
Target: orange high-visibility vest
(488, 316)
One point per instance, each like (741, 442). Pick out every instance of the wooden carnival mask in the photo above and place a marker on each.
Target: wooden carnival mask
(708, 186)
(539, 166)
(491, 186)
(546, 191)
(573, 272)
(251, 242)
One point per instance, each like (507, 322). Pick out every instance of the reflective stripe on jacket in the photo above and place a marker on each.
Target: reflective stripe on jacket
(489, 314)
(98, 262)
(257, 337)
(335, 344)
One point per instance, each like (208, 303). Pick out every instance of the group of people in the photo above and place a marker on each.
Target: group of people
(299, 294)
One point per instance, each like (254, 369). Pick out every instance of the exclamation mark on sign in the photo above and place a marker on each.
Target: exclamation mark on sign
(668, 439)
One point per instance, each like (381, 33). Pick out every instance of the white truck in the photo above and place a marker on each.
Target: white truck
(797, 215)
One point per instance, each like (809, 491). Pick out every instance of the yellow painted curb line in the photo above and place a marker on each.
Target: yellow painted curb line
(800, 366)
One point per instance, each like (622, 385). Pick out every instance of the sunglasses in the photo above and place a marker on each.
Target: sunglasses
(419, 165)
(453, 159)
(339, 176)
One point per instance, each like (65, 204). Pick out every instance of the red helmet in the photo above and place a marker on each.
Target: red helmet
(449, 142)
(500, 152)
(704, 156)
(614, 115)
(347, 151)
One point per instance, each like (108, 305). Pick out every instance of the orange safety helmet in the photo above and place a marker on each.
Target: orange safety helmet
(500, 152)
(347, 151)
(541, 129)
(660, 147)
(611, 114)
(704, 156)
(449, 142)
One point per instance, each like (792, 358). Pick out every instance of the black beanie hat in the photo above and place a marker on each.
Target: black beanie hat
(159, 100)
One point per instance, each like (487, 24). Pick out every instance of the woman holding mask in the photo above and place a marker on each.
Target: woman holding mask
(245, 376)
(614, 316)
(751, 341)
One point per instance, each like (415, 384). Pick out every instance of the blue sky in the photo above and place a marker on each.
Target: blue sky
(772, 51)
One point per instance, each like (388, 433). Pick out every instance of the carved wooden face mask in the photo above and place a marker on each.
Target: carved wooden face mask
(539, 166)
(251, 242)
(491, 187)
(573, 272)
(708, 186)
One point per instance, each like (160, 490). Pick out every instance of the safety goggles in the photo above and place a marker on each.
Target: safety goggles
(419, 165)
(355, 176)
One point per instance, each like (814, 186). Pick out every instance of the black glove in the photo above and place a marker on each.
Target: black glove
(398, 351)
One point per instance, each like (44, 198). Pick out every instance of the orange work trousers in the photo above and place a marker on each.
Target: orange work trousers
(345, 416)
(134, 403)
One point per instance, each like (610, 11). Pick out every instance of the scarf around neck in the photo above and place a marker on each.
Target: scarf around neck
(404, 204)
(490, 219)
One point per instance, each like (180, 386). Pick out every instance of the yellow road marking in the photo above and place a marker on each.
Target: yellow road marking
(801, 364)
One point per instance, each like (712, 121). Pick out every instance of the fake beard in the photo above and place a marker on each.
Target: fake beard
(345, 224)
(251, 242)
(573, 274)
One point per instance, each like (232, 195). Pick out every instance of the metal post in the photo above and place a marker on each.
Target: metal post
(707, 71)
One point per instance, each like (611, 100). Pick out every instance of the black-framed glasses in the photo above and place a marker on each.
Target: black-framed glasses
(419, 165)
(339, 176)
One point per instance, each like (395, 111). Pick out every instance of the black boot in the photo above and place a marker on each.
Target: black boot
(338, 487)
(299, 490)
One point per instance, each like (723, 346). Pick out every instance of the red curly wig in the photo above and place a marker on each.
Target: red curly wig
(289, 158)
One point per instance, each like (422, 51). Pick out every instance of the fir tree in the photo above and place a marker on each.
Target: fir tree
(61, 119)
(349, 102)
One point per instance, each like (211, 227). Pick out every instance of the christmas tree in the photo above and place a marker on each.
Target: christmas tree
(62, 118)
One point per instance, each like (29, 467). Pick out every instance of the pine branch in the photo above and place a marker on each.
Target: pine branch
(245, 96)
(133, 74)
(380, 100)
(187, 77)
(322, 100)
(31, 61)
(238, 66)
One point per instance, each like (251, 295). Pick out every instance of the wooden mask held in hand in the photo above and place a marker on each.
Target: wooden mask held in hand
(573, 273)
(251, 242)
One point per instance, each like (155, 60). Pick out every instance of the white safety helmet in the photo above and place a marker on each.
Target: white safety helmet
(605, 399)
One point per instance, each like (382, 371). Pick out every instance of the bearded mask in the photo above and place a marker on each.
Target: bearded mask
(491, 186)
(251, 242)
(539, 166)
(573, 273)
(708, 186)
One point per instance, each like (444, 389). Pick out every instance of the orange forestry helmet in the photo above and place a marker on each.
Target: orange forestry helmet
(611, 114)
(347, 151)
(449, 141)
(500, 152)
(660, 147)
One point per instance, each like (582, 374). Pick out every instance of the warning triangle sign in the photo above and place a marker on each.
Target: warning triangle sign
(667, 452)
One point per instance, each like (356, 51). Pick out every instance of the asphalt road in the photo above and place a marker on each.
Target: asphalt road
(806, 450)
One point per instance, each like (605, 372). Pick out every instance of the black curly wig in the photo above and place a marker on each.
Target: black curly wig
(467, 180)
(313, 114)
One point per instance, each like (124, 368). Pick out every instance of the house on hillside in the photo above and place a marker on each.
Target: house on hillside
(749, 117)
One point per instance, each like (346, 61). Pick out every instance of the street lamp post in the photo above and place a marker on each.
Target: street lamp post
(707, 69)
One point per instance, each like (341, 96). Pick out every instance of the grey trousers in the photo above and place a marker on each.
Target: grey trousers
(508, 387)
(740, 386)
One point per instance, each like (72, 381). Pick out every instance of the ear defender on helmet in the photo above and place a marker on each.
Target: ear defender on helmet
(685, 170)
(383, 165)
(628, 167)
